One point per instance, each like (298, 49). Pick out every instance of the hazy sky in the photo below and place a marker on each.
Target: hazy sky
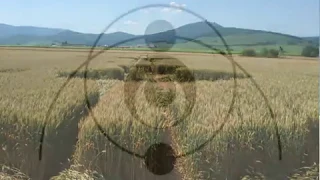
(295, 17)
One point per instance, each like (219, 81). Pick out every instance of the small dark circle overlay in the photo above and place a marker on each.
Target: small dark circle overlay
(160, 159)
(160, 35)
(156, 151)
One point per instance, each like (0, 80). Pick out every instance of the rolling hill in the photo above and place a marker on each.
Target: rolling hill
(237, 38)
(9, 30)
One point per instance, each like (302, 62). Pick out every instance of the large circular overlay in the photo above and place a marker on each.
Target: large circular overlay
(157, 148)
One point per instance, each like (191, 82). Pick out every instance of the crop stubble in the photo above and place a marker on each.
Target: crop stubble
(246, 141)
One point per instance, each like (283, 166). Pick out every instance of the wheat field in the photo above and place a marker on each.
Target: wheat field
(245, 148)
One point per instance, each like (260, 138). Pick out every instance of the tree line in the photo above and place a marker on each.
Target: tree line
(307, 51)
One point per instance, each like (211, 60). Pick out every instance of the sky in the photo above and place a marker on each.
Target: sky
(294, 17)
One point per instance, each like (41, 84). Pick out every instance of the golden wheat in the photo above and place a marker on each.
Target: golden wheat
(247, 139)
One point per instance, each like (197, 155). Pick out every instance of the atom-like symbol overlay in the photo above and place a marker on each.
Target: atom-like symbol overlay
(160, 158)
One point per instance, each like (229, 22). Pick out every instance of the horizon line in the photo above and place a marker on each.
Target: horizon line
(63, 29)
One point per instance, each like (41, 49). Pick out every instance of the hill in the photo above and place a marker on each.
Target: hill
(314, 39)
(9, 30)
(237, 38)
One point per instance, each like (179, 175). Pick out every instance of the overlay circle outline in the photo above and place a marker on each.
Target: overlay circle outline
(142, 156)
(187, 109)
(110, 25)
(90, 57)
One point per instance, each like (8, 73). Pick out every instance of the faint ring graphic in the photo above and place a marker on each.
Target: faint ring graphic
(228, 55)
(131, 86)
